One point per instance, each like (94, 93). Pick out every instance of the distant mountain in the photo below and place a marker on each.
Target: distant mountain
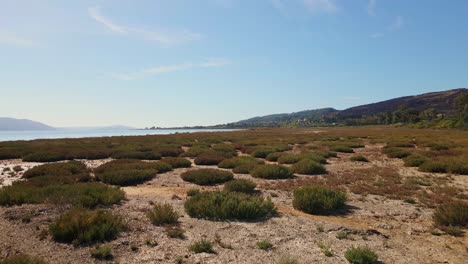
(429, 108)
(13, 124)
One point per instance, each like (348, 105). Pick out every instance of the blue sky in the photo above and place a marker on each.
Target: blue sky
(203, 62)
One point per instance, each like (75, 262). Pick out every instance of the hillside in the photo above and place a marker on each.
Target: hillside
(428, 108)
(13, 124)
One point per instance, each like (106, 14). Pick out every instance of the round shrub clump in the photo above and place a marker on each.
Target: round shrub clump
(209, 158)
(308, 167)
(82, 226)
(45, 157)
(127, 172)
(177, 162)
(397, 153)
(342, 149)
(228, 205)
(359, 158)
(434, 166)
(272, 171)
(288, 158)
(163, 214)
(133, 154)
(240, 185)
(262, 152)
(239, 161)
(361, 255)
(207, 176)
(414, 160)
(318, 199)
(244, 169)
(274, 156)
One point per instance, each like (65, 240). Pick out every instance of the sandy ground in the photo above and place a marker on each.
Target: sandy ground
(398, 232)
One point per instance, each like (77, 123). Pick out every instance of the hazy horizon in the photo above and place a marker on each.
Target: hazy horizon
(185, 63)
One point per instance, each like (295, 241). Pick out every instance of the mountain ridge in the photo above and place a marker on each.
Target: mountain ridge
(14, 124)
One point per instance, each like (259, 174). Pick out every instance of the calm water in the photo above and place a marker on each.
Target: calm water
(80, 133)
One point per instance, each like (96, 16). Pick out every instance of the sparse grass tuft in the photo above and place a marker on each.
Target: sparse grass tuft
(175, 232)
(452, 214)
(264, 245)
(202, 246)
(361, 255)
(102, 253)
(163, 214)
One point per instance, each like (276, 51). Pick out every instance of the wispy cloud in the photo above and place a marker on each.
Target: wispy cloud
(327, 6)
(371, 5)
(10, 39)
(209, 63)
(377, 35)
(398, 23)
(163, 37)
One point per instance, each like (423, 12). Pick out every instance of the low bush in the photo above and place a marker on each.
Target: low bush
(437, 147)
(308, 167)
(434, 166)
(272, 171)
(397, 153)
(133, 154)
(273, 156)
(161, 166)
(288, 158)
(45, 157)
(343, 149)
(361, 255)
(81, 226)
(264, 245)
(318, 199)
(129, 172)
(177, 162)
(169, 151)
(196, 151)
(240, 185)
(22, 259)
(102, 253)
(209, 158)
(57, 169)
(414, 160)
(458, 166)
(262, 152)
(202, 246)
(228, 205)
(452, 214)
(163, 214)
(244, 169)
(193, 191)
(314, 157)
(207, 176)
(359, 158)
(239, 161)
(87, 195)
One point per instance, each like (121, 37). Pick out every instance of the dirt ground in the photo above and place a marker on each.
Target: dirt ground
(399, 232)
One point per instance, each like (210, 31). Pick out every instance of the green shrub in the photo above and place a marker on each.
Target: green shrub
(57, 169)
(193, 191)
(359, 158)
(318, 199)
(228, 205)
(175, 232)
(397, 153)
(202, 246)
(314, 157)
(244, 169)
(452, 214)
(209, 158)
(102, 253)
(273, 156)
(262, 152)
(264, 245)
(240, 185)
(288, 158)
(414, 160)
(195, 151)
(239, 161)
(439, 147)
(434, 166)
(272, 171)
(207, 176)
(81, 226)
(458, 166)
(177, 162)
(163, 214)
(87, 195)
(133, 154)
(129, 172)
(308, 167)
(361, 255)
(161, 166)
(169, 151)
(22, 259)
(44, 157)
(343, 149)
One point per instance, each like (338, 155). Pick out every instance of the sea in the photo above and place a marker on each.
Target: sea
(83, 133)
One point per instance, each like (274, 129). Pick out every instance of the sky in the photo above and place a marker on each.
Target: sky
(204, 62)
